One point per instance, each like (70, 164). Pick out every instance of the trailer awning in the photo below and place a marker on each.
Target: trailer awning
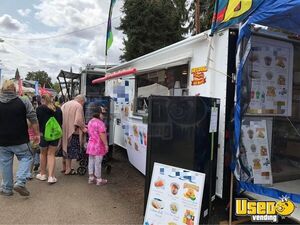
(68, 75)
(115, 75)
(178, 61)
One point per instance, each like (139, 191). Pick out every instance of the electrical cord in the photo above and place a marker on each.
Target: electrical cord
(58, 35)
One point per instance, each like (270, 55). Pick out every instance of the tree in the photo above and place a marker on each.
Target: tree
(17, 74)
(40, 76)
(56, 87)
(150, 25)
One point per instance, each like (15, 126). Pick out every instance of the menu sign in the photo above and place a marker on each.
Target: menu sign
(271, 74)
(256, 146)
(136, 144)
(175, 196)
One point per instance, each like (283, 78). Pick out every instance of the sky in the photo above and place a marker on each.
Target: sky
(54, 35)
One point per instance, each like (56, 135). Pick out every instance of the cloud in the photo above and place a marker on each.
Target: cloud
(73, 50)
(24, 12)
(3, 50)
(69, 13)
(10, 24)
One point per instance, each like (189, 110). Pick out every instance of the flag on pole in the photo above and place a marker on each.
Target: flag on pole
(36, 87)
(109, 34)
(229, 12)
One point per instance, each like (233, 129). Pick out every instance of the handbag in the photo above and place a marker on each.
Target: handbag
(59, 152)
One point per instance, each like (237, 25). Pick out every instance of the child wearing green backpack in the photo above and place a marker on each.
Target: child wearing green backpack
(50, 122)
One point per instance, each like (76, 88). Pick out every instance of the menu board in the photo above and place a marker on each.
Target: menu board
(175, 196)
(135, 134)
(256, 146)
(270, 69)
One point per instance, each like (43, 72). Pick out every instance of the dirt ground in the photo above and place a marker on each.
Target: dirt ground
(73, 201)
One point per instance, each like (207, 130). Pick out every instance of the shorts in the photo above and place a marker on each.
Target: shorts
(45, 144)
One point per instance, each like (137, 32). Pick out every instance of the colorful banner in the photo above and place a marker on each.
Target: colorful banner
(230, 12)
(109, 34)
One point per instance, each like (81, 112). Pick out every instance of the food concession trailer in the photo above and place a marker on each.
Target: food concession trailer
(263, 94)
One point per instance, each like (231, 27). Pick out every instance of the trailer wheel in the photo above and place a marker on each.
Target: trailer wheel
(83, 162)
(81, 170)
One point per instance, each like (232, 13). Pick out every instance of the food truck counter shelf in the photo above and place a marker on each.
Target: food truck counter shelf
(141, 117)
(136, 117)
(289, 187)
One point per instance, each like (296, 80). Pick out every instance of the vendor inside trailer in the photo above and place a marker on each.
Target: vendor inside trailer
(172, 82)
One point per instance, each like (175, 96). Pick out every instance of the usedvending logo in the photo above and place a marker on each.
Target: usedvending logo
(264, 211)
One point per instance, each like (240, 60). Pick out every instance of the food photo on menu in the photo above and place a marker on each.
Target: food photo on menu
(174, 188)
(190, 191)
(159, 183)
(157, 204)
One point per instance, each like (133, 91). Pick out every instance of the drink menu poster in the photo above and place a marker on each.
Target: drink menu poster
(271, 76)
(255, 142)
(175, 196)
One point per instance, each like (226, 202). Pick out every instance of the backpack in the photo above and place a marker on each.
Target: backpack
(53, 130)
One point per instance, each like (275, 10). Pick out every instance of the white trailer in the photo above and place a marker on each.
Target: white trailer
(202, 65)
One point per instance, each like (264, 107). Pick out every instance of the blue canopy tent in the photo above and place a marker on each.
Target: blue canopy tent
(280, 14)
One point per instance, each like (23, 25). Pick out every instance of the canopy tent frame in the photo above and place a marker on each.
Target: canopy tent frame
(69, 84)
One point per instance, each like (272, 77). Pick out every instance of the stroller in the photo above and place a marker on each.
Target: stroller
(84, 161)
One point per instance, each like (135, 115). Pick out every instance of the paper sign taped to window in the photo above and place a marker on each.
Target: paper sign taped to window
(213, 120)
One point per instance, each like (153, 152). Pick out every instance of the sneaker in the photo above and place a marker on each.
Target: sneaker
(101, 182)
(52, 180)
(21, 190)
(36, 167)
(91, 180)
(41, 177)
(6, 193)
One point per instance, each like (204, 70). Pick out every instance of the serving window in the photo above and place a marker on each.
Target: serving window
(166, 82)
(270, 134)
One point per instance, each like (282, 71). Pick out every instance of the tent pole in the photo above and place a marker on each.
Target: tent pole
(231, 198)
(105, 63)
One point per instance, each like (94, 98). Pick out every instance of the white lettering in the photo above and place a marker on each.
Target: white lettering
(265, 218)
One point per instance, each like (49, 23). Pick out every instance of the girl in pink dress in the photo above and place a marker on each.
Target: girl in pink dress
(97, 147)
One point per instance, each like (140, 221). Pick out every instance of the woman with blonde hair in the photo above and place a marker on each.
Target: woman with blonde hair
(48, 148)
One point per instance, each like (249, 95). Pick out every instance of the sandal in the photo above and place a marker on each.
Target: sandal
(101, 182)
(72, 172)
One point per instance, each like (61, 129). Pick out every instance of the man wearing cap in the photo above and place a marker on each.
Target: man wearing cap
(14, 112)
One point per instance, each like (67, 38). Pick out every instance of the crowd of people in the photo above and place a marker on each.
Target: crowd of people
(34, 131)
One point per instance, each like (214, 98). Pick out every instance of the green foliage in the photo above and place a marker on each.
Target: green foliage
(41, 76)
(17, 74)
(150, 25)
(56, 87)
